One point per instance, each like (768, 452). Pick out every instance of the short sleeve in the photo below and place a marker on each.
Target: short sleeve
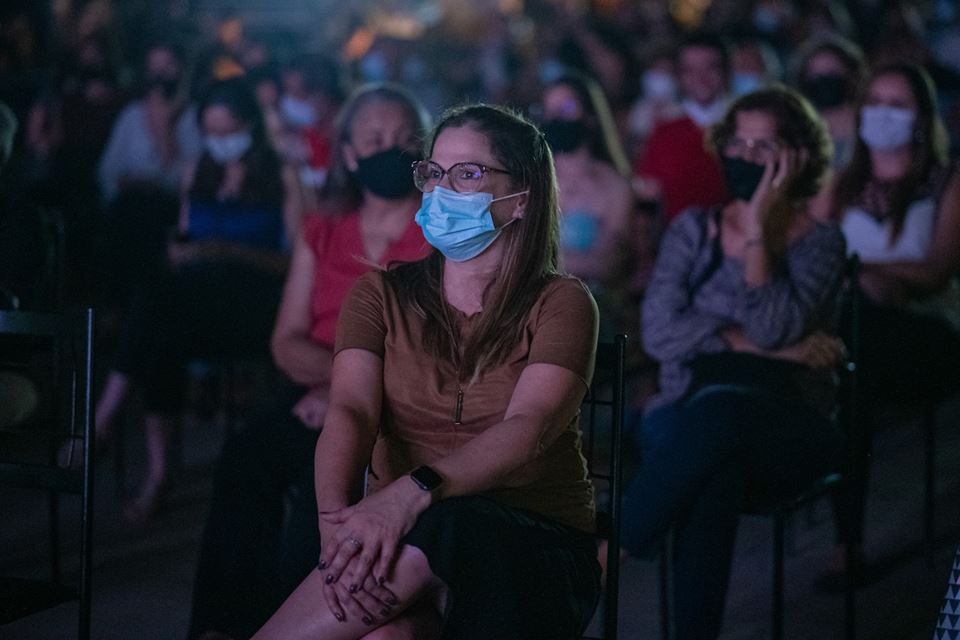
(361, 323)
(565, 330)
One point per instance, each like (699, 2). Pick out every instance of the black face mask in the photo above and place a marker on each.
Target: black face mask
(167, 86)
(564, 136)
(387, 173)
(742, 177)
(826, 92)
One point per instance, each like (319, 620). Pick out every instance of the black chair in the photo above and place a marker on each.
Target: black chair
(59, 358)
(837, 484)
(601, 421)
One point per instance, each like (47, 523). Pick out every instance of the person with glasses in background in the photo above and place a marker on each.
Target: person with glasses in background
(739, 314)
(254, 551)
(459, 379)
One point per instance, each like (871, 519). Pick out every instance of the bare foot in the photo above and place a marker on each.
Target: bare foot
(147, 505)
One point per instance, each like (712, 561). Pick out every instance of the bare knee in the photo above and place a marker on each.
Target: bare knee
(393, 630)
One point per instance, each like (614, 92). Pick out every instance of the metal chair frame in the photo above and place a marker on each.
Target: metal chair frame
(71, 338)
(610, 371)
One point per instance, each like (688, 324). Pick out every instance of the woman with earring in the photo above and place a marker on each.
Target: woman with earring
(459, 379)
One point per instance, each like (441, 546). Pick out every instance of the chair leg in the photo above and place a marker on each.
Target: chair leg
(119, 456)
(665, 552)
(778, 549)
(53, 512)
(929, 483)
(850, 590)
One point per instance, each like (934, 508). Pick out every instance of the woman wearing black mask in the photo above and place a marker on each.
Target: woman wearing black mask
(830, 72)
(250, 560)
(738, 313)
(597, 237)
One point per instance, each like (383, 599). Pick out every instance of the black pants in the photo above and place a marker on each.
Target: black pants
(255, 551)
(905, 358)
(209, 310)
(705, 460)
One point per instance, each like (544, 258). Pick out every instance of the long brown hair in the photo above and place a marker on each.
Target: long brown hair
(929, 150)
(530, 257)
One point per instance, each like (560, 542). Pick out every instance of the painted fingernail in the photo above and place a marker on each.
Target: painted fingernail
(338, 616)
(367, 620)
(322, 564)
(391, 600)
(384, 612)
(329, 578)
(381, 580)
(353, 588)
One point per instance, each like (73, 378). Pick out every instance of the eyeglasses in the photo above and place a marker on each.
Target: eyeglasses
(763, 150)
(465, 177)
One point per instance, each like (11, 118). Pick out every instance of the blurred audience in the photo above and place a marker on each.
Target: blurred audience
(155, 137)
(225, 262)
(898, 203)
(596, 201)
(676, 150)
(252, 556)
(739, 314)
(830, 72)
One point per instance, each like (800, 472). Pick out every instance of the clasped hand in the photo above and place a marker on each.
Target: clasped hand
(359, 546)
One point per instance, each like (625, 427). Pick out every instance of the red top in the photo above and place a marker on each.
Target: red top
(688, 174)
(338, 250)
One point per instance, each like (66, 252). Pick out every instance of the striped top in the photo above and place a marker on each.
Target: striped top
(679, 323)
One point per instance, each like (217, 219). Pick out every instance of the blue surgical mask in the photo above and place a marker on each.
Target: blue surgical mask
(459, 225)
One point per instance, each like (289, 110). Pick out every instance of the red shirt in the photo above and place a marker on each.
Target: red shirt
(337, 245)
(688, 174)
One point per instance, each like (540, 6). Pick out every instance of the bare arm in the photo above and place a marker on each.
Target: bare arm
(295, 353)
(353, 419)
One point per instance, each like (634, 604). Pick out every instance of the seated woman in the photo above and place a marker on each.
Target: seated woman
(459, 378)
(219, 290)
(898, 204)
(597, 230)
(737, 313)
(252, 557)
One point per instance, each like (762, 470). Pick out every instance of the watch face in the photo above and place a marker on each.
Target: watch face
(426, 478)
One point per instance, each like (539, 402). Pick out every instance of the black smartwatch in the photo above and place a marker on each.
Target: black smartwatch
(426, 478)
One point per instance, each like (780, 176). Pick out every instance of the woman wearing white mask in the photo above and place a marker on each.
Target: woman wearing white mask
(458, 378)
(898, 203)
(228, 255)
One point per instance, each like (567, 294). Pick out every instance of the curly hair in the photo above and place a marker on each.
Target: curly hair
(798, 125)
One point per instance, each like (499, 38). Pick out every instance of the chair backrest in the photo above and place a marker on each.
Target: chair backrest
(56, 350)
(601, 422)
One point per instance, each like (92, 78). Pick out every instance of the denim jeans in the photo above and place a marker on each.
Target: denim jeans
(704, 460)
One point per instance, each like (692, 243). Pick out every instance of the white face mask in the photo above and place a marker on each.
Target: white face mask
(659, 85)
(883, 128)
(297, 113)
(705, 115)
(224, 149)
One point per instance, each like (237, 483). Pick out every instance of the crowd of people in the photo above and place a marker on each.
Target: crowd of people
(432, 295)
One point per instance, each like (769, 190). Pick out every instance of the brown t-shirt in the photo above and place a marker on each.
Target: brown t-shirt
(420, 392)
